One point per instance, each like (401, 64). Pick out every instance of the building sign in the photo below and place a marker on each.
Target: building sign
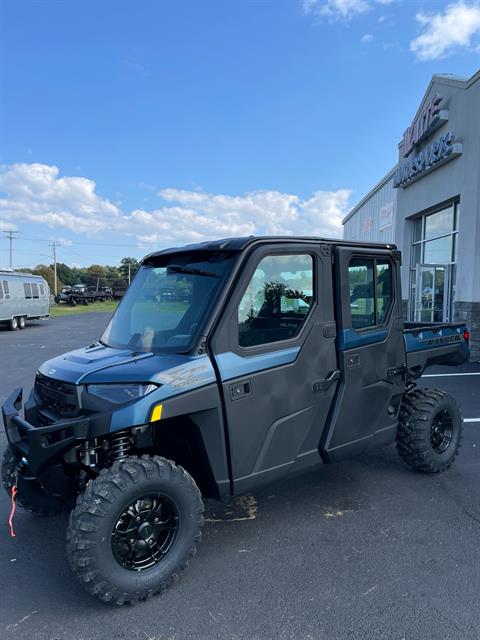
(429, 120)
(385, 216)
(434, 155)
(367, 225)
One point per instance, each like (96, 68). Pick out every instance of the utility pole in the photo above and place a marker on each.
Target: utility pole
(54, 250)
(11, 235)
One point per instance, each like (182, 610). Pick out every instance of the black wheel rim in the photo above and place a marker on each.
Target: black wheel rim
(145, 532)
(442, 431)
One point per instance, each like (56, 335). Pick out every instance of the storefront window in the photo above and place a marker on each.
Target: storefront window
(438, 251)
(433, 265)
(439, 223)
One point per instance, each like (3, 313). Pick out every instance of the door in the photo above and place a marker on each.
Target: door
(275, 356)
(371, 352)
(432, 293)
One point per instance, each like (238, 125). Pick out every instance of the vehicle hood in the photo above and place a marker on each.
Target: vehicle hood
(100, 364)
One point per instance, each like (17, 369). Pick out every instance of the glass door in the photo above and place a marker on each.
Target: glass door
(432, 294)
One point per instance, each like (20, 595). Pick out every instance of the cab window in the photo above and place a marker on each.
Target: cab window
(370, 283)
(277, 300)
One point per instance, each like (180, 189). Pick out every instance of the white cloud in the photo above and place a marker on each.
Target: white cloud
(36, 193)
(340, 9)
(443, 32)
(366, 38)
(336, 9)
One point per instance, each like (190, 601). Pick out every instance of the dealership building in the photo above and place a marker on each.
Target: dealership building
(429, 206)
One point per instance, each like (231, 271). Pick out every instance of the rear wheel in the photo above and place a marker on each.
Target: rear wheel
(13, 324)
(430, 429)
(22, 322)
(134, 529)
(30, 494)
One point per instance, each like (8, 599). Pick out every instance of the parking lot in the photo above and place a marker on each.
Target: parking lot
(364, 549)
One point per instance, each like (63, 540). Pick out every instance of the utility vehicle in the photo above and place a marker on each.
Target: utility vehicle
(276, 354)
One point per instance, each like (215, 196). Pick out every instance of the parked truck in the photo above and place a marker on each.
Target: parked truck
(286, 353)
(23, 297)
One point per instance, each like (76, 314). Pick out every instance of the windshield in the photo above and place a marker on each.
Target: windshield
(166, 305)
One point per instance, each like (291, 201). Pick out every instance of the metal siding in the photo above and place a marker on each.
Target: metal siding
(355, 228)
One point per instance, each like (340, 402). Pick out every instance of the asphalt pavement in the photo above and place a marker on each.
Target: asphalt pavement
(365, 549)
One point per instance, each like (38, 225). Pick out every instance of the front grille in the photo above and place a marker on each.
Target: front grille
(56, 397)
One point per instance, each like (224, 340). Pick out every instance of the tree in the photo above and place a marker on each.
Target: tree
(49, 275)
(128, 268)
(95, 275)
(65, 274)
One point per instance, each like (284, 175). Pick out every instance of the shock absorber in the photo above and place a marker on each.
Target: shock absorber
(120, 445)
(90, 452)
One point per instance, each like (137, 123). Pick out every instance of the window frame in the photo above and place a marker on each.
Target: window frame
(251, 266)
(375, 258)
(453, 234)
(6, 290)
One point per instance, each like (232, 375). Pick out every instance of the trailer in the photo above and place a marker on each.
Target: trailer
(23, 296)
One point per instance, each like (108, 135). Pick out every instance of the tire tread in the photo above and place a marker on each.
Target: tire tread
(415, 416)
(103, 491)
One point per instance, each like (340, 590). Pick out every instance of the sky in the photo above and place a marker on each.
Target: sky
(135, 125)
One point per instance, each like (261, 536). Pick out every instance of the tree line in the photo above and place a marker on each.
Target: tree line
(96, 275)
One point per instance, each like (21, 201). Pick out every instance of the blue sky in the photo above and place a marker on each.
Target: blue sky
(126, 126)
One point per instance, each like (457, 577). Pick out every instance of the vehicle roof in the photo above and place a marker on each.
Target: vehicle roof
(19, 274)
(242, 243)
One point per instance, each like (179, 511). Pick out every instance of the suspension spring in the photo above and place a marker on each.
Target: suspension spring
(120, 445)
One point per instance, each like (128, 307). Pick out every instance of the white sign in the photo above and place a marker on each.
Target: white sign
(385, 216)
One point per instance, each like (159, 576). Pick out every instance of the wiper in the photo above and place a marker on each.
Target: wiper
(178, 268)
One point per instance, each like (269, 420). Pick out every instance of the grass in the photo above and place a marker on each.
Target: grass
(66, 310)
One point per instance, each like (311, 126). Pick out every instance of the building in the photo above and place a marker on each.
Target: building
(429, 205)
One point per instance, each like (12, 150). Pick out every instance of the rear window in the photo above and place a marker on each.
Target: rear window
(371, 291)
(34, 290)
(27, 287)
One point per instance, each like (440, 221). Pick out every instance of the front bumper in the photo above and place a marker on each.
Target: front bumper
(40, 446)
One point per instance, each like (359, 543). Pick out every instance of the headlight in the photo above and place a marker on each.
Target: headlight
(120, 393)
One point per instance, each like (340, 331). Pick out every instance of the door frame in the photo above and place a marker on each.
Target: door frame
(224, 347)
(447, 290)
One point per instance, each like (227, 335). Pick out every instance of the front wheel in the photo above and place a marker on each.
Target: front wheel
(13, 324)
(134, 529)
(430, 430)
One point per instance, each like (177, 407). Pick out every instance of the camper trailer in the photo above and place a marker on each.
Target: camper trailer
(23, 297)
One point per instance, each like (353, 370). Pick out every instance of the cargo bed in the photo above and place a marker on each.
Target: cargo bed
(432, 343)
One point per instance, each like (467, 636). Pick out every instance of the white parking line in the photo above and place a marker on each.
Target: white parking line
(471, 419)
(450, 375)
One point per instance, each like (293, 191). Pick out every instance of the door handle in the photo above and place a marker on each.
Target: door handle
(326, 383)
